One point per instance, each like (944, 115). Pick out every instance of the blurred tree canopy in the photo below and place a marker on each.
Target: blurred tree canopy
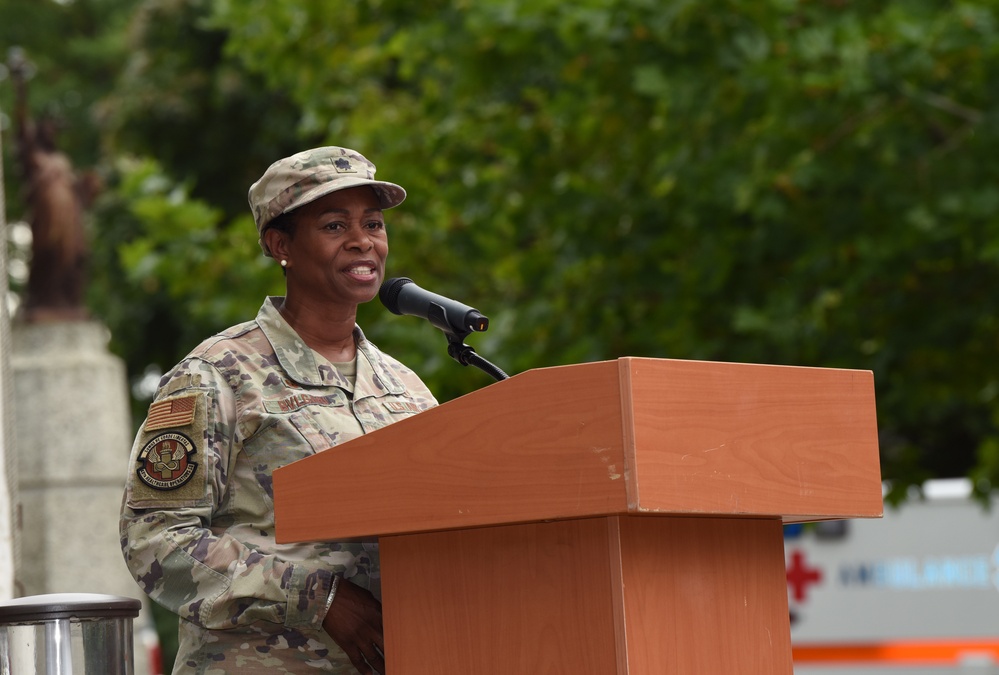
(806, 182)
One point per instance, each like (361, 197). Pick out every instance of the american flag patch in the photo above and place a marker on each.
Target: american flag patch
(175, 412)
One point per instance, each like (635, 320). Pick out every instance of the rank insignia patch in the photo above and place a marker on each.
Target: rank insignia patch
(166, 462)
(343, 166)
(173, 412)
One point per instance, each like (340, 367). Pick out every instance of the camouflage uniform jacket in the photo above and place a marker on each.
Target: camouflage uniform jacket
(197, 525)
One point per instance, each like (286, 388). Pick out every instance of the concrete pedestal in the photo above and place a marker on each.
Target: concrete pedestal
(72, 428)
(73, 435)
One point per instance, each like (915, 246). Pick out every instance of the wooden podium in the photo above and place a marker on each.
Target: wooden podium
(613, 518)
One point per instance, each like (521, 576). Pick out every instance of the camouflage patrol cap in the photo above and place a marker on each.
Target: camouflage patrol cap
(306, 176)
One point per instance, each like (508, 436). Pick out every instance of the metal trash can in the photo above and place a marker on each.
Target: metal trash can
(67, 634)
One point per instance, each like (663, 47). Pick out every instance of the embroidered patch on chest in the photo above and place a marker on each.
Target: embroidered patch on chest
(401, 407)
(174, 412)
(166, 462)
(298, 401)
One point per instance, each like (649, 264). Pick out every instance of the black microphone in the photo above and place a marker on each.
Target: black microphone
(402, 296)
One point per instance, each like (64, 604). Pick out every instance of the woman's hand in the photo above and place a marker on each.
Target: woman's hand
(355, 623)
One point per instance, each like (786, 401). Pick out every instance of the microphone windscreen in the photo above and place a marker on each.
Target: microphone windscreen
(389, 293)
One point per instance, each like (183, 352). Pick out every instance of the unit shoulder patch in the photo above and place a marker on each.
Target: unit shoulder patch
(170, 457)
(166, 462)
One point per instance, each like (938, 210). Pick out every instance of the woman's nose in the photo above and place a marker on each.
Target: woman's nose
(359, 239)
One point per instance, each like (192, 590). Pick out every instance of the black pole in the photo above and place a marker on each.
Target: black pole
(466, 356)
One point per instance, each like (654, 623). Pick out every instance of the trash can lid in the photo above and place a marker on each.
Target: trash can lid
(52, 606)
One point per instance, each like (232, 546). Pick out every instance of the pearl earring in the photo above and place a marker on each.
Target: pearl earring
(284, 263)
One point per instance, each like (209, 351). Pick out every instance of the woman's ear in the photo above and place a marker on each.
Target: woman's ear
(277, 243)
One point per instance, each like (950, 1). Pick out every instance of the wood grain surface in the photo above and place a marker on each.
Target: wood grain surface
(615, 437)
(630, 595)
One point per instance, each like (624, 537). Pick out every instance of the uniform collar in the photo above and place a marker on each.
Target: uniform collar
(306, 367)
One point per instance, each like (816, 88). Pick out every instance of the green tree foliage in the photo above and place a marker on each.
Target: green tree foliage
(76, 49)
(779, 181)
(805, 183)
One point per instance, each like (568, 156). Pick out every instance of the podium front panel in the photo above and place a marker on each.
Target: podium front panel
(627, 595)
(533, 598)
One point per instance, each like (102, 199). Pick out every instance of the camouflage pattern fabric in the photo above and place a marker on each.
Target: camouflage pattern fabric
(197, 524)
(308, 175)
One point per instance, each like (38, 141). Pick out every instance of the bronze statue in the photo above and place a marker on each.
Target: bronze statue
(57, 200)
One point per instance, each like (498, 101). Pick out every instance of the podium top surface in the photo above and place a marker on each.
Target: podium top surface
(633, 436)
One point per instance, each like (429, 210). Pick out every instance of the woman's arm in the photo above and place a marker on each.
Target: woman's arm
(174, 539)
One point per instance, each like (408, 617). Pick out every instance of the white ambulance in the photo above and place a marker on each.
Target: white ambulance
(916, 592)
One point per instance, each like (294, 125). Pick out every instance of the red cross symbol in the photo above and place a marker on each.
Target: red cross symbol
(799, 576)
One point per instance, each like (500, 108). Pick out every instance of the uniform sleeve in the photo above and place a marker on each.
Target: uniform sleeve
(177, 552)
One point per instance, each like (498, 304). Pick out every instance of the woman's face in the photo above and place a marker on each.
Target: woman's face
(337, 251)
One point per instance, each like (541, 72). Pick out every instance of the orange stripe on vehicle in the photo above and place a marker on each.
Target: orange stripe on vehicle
(922, 652)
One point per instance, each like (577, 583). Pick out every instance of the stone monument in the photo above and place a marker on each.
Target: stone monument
(72, 427)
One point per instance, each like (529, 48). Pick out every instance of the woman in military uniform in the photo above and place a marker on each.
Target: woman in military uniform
(197, 525)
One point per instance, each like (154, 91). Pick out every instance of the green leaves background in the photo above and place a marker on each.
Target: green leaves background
(780, 181)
